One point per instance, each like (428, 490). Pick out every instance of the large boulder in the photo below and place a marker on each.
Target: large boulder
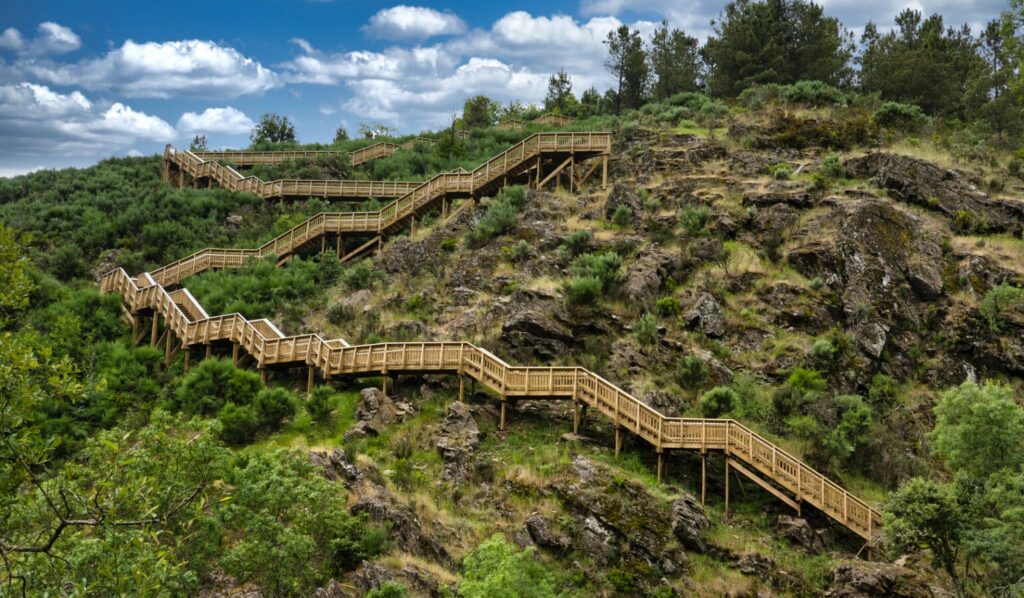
(646, 277)
(459, 438)
(798, 531)
(406, 530)
(622, 195)
(335, 466)
(375, 411)
(947, 191)
(705, 315)
(861, 579)
(547, 533)
(533, 330)
(689, 523)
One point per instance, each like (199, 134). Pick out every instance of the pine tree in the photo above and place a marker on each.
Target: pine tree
(675, 62)
(560, 98)
(627, 62)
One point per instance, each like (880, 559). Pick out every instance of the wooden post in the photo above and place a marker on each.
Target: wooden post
(575, 416)
(572, 170)
(168, 346)
(263, 375)
(501, 422)
(338, 245)
(462, 387)
(727, 487)
(661, 465)
(384, 383)
(234, 353)
(188, 357)
(703, 477)
(310, 377)
(154, 329)
(618, 440)
(209, 351)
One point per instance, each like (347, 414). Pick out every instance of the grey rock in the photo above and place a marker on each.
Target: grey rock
(861, 579)
(458, 439)
(689, 523)
(706, 315)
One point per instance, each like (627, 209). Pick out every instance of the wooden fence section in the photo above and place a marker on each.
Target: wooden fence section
(178, 163)
(186, 320)
(253, 158)
(384, 221)
(385, 149)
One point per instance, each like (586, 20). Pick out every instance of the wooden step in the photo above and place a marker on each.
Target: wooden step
(763, 484)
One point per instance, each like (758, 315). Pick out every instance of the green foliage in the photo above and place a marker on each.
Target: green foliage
(497, 569)
(849, 424)
(273, 406)
(389, 589)
(718, 401)
(832, 168)
(901, 117)
(694, 220)
(339, 313)
(592, 275)
(690, 372)
(582, 290)
(272, 128)
(321, 404)
(646, 330)
(238, 423)
(823, 351)
(501, 216)
(577, 243)
(15, 283)
(978, 429)
(667, 307)
(519, 251)
(623, 215)
(781, 172)
(675, 62)
(211, 384)
(358, 276)
(479, 112)
(628, 65)
(1000, 301)
(806, 381)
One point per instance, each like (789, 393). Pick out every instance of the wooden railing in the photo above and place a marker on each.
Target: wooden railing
(384, 149)
(391, 215)
(229, 178)
(253, 158)
(188, 321)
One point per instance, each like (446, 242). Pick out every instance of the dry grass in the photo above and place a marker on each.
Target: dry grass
(1005, 250)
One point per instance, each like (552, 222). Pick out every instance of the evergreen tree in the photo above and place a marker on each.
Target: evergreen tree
(341, 134)
(627, 62)
(920, 62)
(775, 41)
(560, 98)
(198, 144)
(675, 62)
(479, 112)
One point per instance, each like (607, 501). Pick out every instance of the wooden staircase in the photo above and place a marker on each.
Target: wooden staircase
(523, 159)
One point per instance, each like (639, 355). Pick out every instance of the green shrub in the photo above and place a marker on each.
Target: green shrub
(623, 215)
(812, 93)
(389, 589)
(694, 220)
(448, 245)
(690, 372)
(823, 350)
(501, 216)
(519, 251)
(339, 313)
(646, 330)
(274, 405)
(718, 401)
(239, 423)
(358, 276)
(321, 403)
(998, 302)
(497, 568)
(582, 290)
(1014, 167)
(781, 172)
(806, 381)
(213, 383)
(606, 267)
(902, 117)
(577, 243)
(832, 167)
(667, 307)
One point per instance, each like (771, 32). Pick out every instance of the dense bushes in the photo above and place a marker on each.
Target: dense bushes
(592, 275)
(901, 117)
(998, 302)
(498, 568)
(501, 216)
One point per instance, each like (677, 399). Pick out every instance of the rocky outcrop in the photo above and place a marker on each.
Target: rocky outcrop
(405, 528)
(547, 533)
(622, 195)
(459, 438)
(690, 524)
(948, 191)
(861, 579)
(798, 531)
(646, 277)
(335, 466)
(705, 315)
(532, 330)
(376, 410)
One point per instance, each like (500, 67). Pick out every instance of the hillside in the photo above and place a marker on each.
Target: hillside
(847, 284)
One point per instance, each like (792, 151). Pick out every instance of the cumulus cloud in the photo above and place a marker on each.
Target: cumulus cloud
(194, 68)
(37, 121)
(321, 68)
(53, 38)
(413, 22)
(226, 120)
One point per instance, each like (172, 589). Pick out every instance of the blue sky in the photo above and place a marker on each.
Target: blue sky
(80, 81)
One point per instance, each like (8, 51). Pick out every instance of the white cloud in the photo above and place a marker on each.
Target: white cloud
(37, 121)
(11, 39)
(321, 68)
(226, 120)
(162, 69)
(413, 22)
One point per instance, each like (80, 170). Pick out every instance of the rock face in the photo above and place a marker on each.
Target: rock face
(622, 195)
(922, 183)
(406, 530)
(646, 277)
(705, 314)
(459, 438)
(336, 466)
(798, 531)
(532, 330)
(376, 410)
(618, 522)
(860, 579)
(690, 524)
(546, 533)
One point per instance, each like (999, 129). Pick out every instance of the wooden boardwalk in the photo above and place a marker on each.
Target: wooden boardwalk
(186, 326)
(253, 158)
(537, 160)
(181, 163)
(385, 149)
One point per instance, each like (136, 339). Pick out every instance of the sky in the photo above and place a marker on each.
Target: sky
(81, 81)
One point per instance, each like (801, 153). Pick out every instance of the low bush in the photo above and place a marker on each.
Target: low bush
(273, 406)
(691, 372)
(667, 307)
(582, 290)
(606, 267)
(321, 403)
(832, 167)
(214, 383)
(901, 117)
(718, 401)
(646, 330)
(577, 243)
(998, 302)
(501, 216)
(622, 216)
(694, 220)
(239, 423)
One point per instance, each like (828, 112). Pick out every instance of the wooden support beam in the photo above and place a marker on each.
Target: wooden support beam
(556, 171)
(661, 465)
(727, 475)
(763, 484)
(168, 352)
(604, 172)
(209, 351)
(310, 378)
(384, 383)
(462, 388)
(263, 375)
(618, 440)
(188, 358)
(501, 421)
(153, 329)
(703, 477)
(234, 353)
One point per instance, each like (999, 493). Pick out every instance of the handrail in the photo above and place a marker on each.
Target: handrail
(380, 221)
(186, 318)
(252, 158)
(231, 179)
(384, 149)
